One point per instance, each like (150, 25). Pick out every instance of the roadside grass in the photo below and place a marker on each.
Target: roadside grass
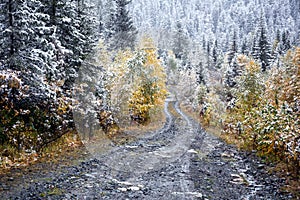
(278, 167)
(52, 192)
(11, 158)
(70, 144)
(156, 122)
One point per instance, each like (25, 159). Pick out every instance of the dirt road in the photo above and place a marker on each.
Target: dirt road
(180, 161)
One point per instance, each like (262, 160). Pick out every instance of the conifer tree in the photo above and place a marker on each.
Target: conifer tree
(233, 47)
(109, 19)
(232, 72)
(73, 35)
(276, 45)
(208, 55)
(244, 48)
(285, 43)
(180, 42)
(200, 74)
(262, 50)
(203, 43)
(123, 33)
(215, 53)
(23, 45)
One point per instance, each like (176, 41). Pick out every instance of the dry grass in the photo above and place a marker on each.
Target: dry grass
(292, 184)
(51, 153)
(157, 121)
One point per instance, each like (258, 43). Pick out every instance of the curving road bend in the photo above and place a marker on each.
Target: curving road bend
(156, 167)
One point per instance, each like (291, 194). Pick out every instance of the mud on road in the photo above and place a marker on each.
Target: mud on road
(180, 161)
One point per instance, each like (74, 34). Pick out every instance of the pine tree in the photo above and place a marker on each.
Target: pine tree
(180, 42)
(73, 35)
(232, 72)
(233, 47)
(109, 19)
(200, 74)
(215, 53)
(100, 14)
(23, 45)
(285, 43)
(232, 67)
(278, 38)
(244, 48)
(203, 43)
(7, 34)
(262, 50)
(123, 33)
(208, 55)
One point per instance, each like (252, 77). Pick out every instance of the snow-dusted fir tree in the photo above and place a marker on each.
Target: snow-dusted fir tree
(232, 67)
(215, 52)
(200, 76)
(180, 42)
(285, 43)
(109, 16)
(262, 50)
(244, 48)
(122, 28)
(233, 49)
(22, 41)
(99, 13)
(232, 72)
(73, 34)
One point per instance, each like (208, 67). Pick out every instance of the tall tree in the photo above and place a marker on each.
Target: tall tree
(215, 53)
(244, 48)
(109, 18)
(123, 31)
(208, 55)
(200, 74)
(285, 43)
(180, 42)
(233, 47)
(73, 34)
(262, 50)
(23, 45)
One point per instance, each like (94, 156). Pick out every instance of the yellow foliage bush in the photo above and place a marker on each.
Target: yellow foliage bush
(151, 89)
(266, 114)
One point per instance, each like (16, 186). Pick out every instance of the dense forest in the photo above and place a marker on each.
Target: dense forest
(99, 65)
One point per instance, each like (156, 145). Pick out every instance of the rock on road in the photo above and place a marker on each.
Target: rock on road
(180, 161)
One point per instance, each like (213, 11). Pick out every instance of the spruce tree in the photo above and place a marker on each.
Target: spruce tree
(262, 50)
(109, 19)
(74, 35)
(180, 42)
(23, 46)
(215, 54)
(7, 34)
(200, 74)
(233, 47)
(122, 28)
(208, 55)
(285, 43)
(232, 72)
(244, 48)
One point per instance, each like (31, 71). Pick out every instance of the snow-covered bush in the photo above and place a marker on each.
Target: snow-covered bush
(266, 114)
(32, 115)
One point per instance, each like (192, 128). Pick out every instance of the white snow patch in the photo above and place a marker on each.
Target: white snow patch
(192, 151)
(134, 188)
(131, 147)
(122, 189)
(195, 194)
